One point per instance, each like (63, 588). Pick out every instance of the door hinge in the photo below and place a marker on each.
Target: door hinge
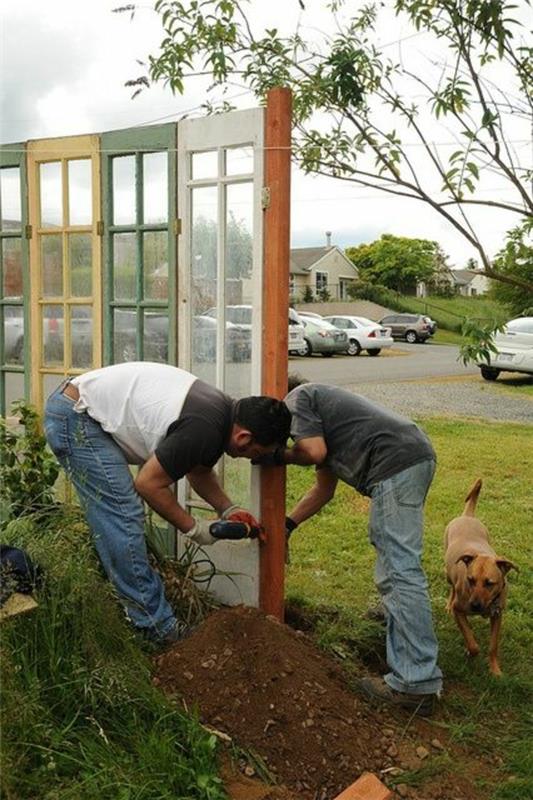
(177, 227)
(28, 231)
(100, 228)
(265, 197)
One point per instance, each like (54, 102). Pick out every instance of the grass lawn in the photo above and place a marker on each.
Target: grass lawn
(511, 384)
(332, 564)
(81, 719)
(443, 336)
(449, 312)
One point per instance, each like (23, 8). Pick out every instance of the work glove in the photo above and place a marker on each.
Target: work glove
(274, 459)
(200, 532)
(237, 514)
(290, 525)
(207, 532)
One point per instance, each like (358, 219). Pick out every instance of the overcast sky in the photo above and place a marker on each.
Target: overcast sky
(63, 65)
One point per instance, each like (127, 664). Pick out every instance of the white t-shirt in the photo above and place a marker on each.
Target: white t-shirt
(134, 402)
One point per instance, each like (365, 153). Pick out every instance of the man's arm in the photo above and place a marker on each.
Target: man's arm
(317, 497)
(153, 484)
(204, 481)
(306, 452)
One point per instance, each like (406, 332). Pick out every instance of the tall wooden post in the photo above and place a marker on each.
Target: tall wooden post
(275, 333)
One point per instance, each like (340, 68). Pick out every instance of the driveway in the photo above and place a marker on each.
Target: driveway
(402, 362)
(423, 381)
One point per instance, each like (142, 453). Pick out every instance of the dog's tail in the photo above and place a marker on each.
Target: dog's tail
(471, 498)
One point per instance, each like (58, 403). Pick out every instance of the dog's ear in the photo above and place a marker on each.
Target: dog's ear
(506, 565)
(467, 559)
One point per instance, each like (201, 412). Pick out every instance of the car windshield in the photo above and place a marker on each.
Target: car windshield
(522, 325)
(365, 321)
(319, 324)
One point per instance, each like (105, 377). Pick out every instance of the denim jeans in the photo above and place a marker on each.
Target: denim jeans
(396, 527)
(114, 511)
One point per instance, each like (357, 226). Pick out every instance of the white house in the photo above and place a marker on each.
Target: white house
(320, 269)
(470, 282)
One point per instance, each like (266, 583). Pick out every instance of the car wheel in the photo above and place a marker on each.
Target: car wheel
(411, 337)
(489, 373)
(354, 348)
(374, 352)
(306, 350)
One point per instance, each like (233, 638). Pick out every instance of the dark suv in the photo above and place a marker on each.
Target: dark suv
(411, 327)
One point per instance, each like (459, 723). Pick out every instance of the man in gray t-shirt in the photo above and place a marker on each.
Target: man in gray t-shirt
(389, 459)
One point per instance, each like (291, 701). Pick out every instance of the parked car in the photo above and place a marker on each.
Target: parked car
(411, 327)
(53, 333)
(296, 332)
(514, 350)
(13, 335)
(363, 334)
(432, 325)
(311, 314)
(204, 340)
(323, 337)
(242, 315)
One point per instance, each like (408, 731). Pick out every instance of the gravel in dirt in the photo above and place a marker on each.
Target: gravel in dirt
(449, 397)
(269, 688)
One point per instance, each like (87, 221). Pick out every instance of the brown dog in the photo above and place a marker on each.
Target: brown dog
(477, 577)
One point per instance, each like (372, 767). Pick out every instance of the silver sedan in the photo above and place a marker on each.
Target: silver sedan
(322, 337)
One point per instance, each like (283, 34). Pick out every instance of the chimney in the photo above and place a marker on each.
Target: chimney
(328, 238)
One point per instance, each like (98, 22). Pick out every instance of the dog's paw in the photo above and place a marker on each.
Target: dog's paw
(495, 671)
(472, 650)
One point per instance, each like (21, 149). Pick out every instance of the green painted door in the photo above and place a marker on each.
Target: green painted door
(14, 290)
(139, 191)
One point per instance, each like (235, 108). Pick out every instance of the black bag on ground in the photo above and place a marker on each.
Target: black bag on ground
(18, 573)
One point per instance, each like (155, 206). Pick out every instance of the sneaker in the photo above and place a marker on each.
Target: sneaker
(376, 614)
(376, 689)
(176, 634)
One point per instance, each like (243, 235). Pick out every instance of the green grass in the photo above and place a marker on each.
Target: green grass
(511, 384)
(331, 576)
(443, 336)
(80, 717)
(449, 312)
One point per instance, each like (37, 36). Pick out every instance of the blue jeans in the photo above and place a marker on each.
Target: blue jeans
(396, 526)
(114, 511)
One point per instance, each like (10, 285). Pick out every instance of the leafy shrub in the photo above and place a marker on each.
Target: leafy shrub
(80, 716)
(28, 470)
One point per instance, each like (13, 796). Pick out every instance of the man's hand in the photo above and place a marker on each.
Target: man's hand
(200, 532)
(274, 459)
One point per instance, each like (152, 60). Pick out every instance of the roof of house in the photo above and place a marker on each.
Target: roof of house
(303, 259)
(465, 276)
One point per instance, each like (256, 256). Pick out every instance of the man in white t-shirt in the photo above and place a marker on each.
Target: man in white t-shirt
(172, 424)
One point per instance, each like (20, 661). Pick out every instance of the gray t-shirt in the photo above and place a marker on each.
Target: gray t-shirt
(366, 443)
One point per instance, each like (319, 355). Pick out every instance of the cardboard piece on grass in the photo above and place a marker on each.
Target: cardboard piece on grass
(17, 604)
(367, 787)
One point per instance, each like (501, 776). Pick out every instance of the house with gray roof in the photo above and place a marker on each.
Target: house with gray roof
(321, 270)
(470, 282)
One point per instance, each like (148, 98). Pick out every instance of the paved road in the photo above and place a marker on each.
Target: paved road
(423, 381)
(402, 362)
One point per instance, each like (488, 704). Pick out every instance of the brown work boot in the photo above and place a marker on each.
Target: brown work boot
(377, 690)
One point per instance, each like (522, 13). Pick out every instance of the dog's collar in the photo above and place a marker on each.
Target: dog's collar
(495, 608)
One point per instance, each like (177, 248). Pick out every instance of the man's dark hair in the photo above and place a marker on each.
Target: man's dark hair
(295, 380)
(267, 419)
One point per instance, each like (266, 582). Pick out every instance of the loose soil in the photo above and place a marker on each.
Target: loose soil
(268, 688)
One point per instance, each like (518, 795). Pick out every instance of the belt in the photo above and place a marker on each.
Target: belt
(71, 391)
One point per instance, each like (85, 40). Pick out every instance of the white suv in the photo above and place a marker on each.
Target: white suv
(514, 350)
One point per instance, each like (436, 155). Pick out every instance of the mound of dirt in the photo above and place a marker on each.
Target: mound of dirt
(269, 689)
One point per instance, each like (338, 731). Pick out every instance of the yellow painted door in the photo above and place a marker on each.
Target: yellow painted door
(65, 260)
